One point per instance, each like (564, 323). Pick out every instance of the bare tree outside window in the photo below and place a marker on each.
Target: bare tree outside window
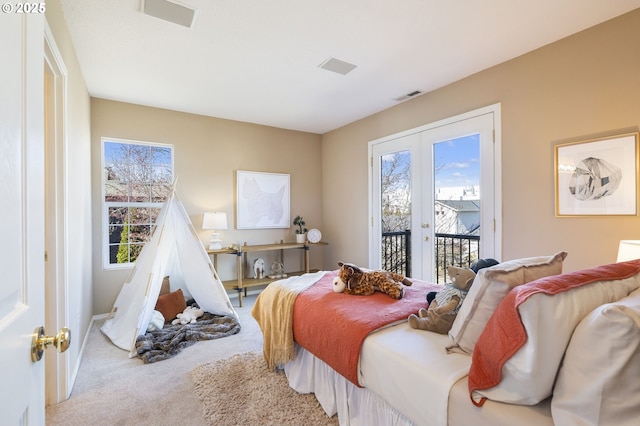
(137, 180)
(395, 190)
(456, 208)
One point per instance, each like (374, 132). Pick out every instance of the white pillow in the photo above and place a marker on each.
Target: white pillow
(518, 355)
(489, 288)
(598, 382)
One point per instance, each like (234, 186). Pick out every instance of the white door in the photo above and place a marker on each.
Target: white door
(459, 158)
(395, 192)
(21, 216)
(418, 149)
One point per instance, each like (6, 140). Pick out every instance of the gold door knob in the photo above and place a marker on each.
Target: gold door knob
(39, 342)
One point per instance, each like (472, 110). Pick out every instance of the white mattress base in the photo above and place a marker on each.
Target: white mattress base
(357, 406)
(407, 373)
(412, 371)
(354, 406)
(492, 413)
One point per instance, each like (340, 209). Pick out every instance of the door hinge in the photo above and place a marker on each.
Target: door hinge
(371, 161)
(46, 256)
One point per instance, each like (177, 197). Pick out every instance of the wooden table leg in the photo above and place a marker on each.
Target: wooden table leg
(240, 277)
(306, 258)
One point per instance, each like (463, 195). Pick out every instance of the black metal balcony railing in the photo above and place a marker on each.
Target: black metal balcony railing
(396, 252)
(459, 250)
(450, 250)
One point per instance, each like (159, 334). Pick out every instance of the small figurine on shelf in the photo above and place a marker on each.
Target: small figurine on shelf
(277, 271)
(258, 268)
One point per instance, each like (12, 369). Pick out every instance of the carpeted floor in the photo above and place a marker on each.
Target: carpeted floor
(112, 389)
(241, 390)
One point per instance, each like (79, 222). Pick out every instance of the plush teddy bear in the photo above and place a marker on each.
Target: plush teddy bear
(475, 267)
(189, 316)
(353, 280)
(444, 308)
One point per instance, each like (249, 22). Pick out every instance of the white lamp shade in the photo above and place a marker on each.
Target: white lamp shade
(628, 250)
(214, 220)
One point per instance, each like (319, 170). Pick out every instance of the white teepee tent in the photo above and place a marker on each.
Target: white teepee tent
(174, 250)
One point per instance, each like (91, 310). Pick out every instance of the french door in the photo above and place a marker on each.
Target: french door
(435, 191)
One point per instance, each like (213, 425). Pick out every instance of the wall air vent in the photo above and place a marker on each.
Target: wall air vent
(336, 65)
(169, 11)
(408, 96)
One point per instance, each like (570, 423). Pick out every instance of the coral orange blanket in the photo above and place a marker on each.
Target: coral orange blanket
(505, 334)
(332, 326)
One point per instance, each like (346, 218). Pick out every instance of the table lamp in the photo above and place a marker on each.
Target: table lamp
(216, 221)
(628, 250)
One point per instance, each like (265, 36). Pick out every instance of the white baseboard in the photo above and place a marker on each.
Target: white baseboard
(85, 341)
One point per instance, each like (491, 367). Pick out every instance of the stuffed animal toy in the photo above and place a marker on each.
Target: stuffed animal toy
(475, 267)
(444, 308)
(189, 316)
(353, 280)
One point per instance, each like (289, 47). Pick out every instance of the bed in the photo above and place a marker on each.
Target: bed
(345, 356)
(403, 376)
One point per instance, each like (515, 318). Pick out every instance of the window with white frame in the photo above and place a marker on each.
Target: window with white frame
(136, 180)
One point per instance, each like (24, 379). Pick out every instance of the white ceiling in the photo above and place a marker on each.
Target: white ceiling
(257, 60)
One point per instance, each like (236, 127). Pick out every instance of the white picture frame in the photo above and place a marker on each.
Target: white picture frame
(262, 200)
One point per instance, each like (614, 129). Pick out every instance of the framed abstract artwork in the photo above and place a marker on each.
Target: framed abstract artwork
(263, 200)
(597, 177)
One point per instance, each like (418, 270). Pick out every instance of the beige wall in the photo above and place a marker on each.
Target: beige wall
(581, 87)
(75, 180)
(208, 152)
(585, 86)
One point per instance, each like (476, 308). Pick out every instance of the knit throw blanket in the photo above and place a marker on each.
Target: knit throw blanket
(273, 310)
(167, 342)
(333, 326)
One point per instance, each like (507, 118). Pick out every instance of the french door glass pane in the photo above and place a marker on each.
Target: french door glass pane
(456, 184)
(395, 214)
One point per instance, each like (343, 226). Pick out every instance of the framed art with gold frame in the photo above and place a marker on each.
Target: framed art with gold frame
(597, 177)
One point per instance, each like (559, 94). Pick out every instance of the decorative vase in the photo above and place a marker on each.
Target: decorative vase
(301, 238)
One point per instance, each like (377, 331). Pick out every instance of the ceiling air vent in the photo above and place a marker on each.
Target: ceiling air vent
(336, 65)
(169, 11)
(408, 95)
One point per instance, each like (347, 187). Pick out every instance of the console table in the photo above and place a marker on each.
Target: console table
(241, 283)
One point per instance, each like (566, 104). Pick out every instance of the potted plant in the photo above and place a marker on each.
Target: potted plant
(301, 232)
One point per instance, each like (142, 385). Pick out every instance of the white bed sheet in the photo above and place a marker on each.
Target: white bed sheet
(492, 413)
(406, 373)
(412, 371)
(360, 407)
